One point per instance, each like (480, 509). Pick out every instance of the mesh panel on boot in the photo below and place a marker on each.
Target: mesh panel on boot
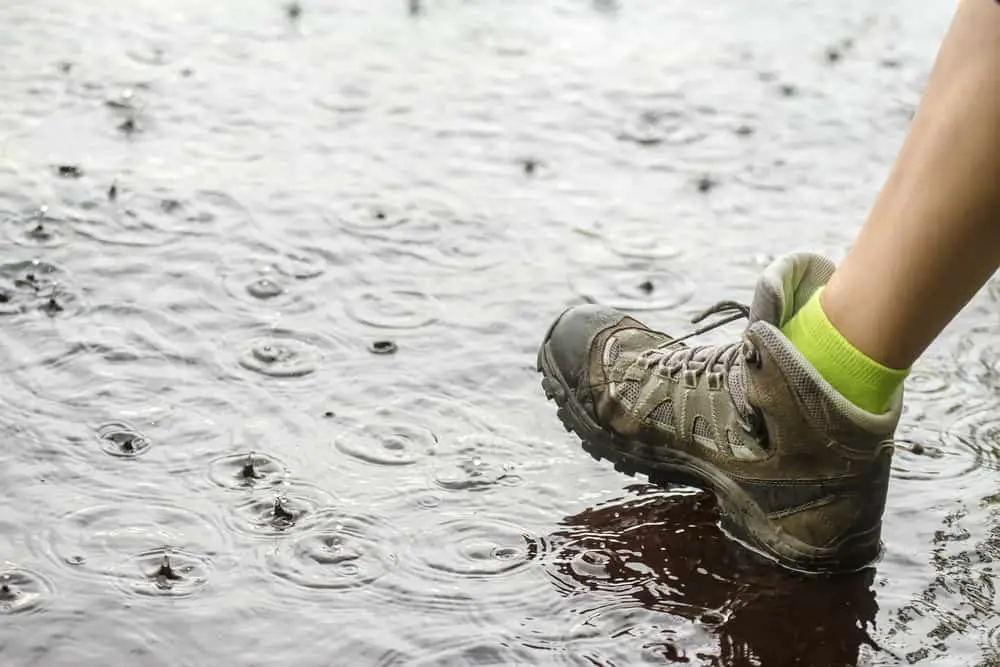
(614, 351)
(700, 428)
(628, 392)
(664, 413)
(738, 386)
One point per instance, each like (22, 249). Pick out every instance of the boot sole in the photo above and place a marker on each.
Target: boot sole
(741, 518)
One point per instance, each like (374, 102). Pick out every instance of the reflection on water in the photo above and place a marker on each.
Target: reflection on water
(663, 553)
(271, 288)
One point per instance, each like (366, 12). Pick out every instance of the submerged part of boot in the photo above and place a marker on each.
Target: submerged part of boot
(801, 474)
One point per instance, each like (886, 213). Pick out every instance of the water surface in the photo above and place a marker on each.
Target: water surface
(271, 291)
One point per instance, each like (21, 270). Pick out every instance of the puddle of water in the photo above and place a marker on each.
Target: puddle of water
(273, 286)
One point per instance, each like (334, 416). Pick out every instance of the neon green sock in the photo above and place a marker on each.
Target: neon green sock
(860, 379)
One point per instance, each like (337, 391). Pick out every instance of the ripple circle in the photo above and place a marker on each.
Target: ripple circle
(36, 228)
(22, 591)
(475, 548)
(157, 217)
(37, 286)
(429, 232)
(280, 355)
(165, 572)
(963, 450)
(480, 462)
(287, 509)
(388, 443)
(394, 309)
(477, 564)
(247, 470)
(119, 541)
(341, 552)
(633, 287)
(118, 439)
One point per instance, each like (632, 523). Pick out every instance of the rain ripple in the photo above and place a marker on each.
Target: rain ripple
(632, 286)
(292, 507)
(476, 564)
(34, 226)
(393, 309)
(288, 358)
(22, 591)
(246, 471)
(145, 548)
(968, 448)
(430, 233)
(342, 551)
(157, 217)
(119, 439)
(37, 286)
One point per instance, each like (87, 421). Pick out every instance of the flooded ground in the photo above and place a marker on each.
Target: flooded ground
(271, 288)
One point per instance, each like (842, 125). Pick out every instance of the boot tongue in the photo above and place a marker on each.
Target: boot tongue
(786, 284)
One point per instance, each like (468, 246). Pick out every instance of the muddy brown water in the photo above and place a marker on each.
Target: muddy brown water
(271, 289)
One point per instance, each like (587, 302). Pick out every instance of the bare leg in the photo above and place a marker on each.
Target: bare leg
(933, 237)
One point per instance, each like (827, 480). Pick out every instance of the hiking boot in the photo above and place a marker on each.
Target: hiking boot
(800, 473)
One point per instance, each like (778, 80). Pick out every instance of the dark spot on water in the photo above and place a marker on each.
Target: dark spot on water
(833, 54)
(529, 165)
(186, 72)
(118, 439)
(7, 592)
(706, 184)
(891, 63)
(113, 192)
(646, 286)
(744, 131)
(249, 469)
(4, 296)
(329, 414)
(383, 347)
(65, 67)
(166, 571)
(917, 448)
(293, 10)
(69, 171)
(29, 281)
(414, 7)
(128, 126)
(282, 515)
(169, 205)
(40, 232)
(788, 90)
(264, 288)
(52, 306)
(378, 214)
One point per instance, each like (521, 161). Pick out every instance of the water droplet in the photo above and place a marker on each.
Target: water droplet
(241, 471)
(118, 439)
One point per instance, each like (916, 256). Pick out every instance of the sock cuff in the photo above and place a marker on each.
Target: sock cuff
(837, 359)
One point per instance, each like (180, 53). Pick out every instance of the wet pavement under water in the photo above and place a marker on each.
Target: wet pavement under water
(271, 288)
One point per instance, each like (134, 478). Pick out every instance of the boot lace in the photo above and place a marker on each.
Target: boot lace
(696, 361)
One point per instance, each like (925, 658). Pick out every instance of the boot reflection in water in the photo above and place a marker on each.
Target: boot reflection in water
(665, 552)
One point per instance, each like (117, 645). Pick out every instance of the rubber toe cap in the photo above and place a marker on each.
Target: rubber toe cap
(572, 335)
